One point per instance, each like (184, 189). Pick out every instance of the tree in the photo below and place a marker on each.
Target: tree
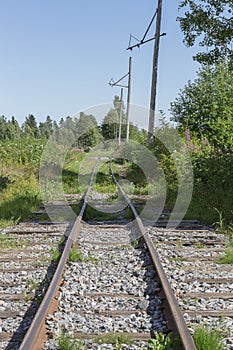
(205, 106)
(46, 128)
(212, 22)
(3, 127)
(9, 129)
(88, 131)
(110, 124)
(13, 129)
(30, 126)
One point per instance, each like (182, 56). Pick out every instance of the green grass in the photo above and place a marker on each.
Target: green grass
(67, 342)
(227, 258)
(91, 213)
(91, 259)
(20, 197)
(70, 171)
(104, 182)
(207, 339)
(113, 338)
(75, 256)
(199, 246)
(7, 242)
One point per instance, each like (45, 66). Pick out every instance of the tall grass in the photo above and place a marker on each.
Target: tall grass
(20, 198)
(207, 339)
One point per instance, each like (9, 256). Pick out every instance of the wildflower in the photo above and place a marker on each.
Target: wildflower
(188, 137)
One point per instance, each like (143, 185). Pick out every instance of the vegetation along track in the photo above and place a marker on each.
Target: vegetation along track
(111, 292)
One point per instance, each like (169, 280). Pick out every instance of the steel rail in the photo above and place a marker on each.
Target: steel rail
(31, 338)
(176, 314)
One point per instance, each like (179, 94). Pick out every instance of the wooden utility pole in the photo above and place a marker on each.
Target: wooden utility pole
(154, 75)
(120, 117)
(128, 99)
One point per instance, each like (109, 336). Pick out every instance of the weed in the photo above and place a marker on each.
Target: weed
(207, 339)
(55, 254)
(224, 229)
(179, 258)
(92, 259)
(75, 256)
(227, 258)
(7, 242)
(163, 342)
(31, 285)
(199, 245)
(26, 297)
(67, 342)
(114, 338)
(219, 224)
(62, 241)
(179, 243)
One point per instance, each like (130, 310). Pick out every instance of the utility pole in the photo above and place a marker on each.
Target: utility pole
(154, 75)
(120, 117)
(113, 83)
(128, 100)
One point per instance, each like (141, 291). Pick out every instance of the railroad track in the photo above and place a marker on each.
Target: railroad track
(26, 268)
(117, 291)
(28, 260)
(116, 281)
(202, 286)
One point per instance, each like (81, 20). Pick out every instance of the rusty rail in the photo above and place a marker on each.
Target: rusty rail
(31, 339)
(175, 312)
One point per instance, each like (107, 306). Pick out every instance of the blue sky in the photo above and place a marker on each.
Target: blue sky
(57, 56)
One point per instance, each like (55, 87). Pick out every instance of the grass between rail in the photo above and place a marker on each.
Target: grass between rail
(208, 339)
(68, 341)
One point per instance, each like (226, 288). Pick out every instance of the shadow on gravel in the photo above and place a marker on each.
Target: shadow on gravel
(19, 334)
(155, 305)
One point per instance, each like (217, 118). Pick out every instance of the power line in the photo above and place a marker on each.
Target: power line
(128, 86)
(143, 41)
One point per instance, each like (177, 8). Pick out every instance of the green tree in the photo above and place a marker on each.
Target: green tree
(30, 127)
(211, 22)
(46, 128)
(16, 131)
(9, 129)
(88, 131)
(110, 124)
(3, 127)
(205, 106)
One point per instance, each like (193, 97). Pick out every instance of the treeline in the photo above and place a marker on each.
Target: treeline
(84, 130)
(11, 130)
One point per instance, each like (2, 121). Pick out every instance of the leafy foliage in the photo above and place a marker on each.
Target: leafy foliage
(88, 131)
(211, 21)
(21, 152)
(205, 107)
(163, 342)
